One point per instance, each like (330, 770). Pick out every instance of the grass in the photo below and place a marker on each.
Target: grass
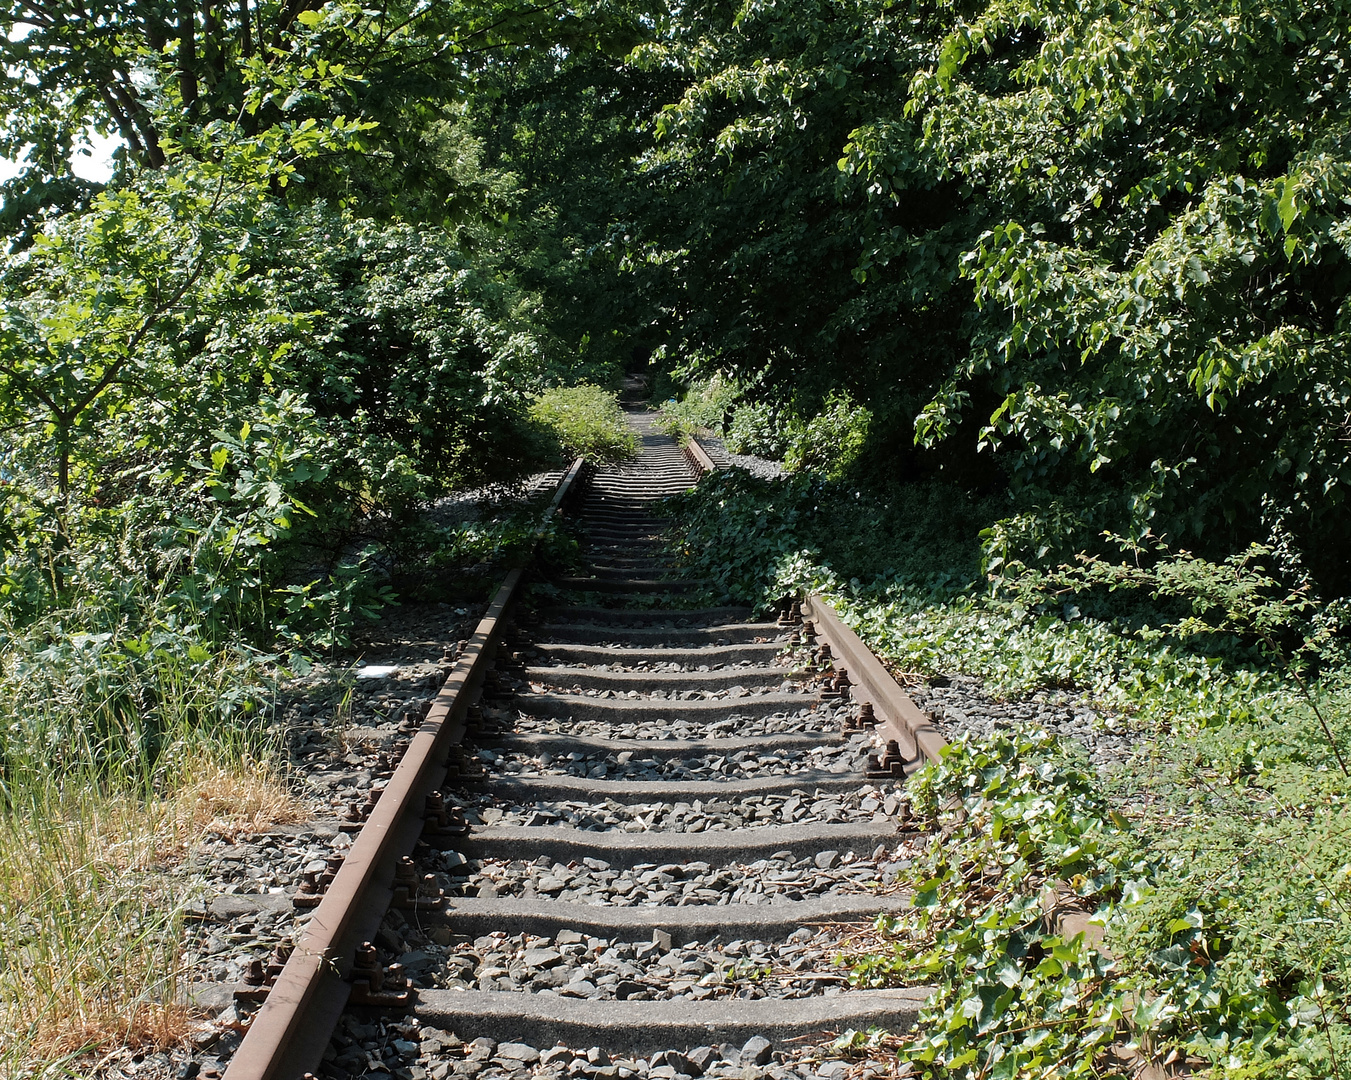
(115, 760)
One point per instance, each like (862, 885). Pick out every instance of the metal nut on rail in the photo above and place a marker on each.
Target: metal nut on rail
(863, 721)
(412, 893)
(460, 766)
(256, 983)
(842, 684)
(358, 813)
(890, 764)
(376, 986)
(441, 822)
(309, 894)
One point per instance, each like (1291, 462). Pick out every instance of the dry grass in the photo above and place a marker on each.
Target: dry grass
(91, 909)
(234, 800)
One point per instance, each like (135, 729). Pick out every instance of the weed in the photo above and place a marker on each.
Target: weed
(1215, 865)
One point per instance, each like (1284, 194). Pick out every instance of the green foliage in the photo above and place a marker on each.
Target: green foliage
(587, 421)
(1015, 996)
(126, 699)
(758, 428)
(831, 441)
(212, 390)
(1213, 955)
(760, 540)
(702, 407)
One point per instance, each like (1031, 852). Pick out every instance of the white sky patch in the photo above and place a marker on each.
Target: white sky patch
(95, 162)
(92, 161)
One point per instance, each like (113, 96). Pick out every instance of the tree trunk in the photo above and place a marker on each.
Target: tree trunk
(187, 52)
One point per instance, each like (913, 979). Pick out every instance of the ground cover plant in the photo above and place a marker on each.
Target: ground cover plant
(1213, 867)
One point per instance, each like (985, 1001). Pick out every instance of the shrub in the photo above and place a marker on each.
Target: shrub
(758, 429)
(701, 408)
(831, 441)
(587, 422)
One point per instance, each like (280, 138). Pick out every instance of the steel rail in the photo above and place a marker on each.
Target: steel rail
(898, 715)
(290, 1031)
(698, 457)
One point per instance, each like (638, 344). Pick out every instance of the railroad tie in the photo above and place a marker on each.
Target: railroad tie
(674, 838)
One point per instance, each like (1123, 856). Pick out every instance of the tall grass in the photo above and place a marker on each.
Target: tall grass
(118, 751)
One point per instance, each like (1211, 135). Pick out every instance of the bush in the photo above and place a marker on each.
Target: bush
(831, 441)
(702, 408)
(758, 429)
(587, 422)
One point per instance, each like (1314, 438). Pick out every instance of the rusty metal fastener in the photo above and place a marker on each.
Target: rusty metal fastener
(277, 961)
(462, 767)
(331, 867)
(412, 894)
(440, 822)
(376, 986)
(890, 764)
(864, 720)
(842, 684)
(256, 984)
(809, 633)
(309, 894)
(357, 813)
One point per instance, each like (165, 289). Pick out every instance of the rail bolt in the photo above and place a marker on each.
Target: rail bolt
(376, 986)
(331, 867)
(891, 763)
(256, 983)
(309, 894)
(842, 684)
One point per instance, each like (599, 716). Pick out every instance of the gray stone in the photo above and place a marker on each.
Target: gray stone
(757, 1051)
(518, 1052)
(826, 859)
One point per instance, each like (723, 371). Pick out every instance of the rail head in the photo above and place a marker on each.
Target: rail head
(290, 1030)
(699, 457)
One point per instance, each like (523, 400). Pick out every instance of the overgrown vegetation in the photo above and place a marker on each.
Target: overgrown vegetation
(587, 422)
(1002, 285)
(1215, 864)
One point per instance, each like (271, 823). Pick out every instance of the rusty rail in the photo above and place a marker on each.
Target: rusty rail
(296, 1021)
(898, 716)
(698, 457)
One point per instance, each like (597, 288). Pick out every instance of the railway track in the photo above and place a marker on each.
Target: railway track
(629, 838)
